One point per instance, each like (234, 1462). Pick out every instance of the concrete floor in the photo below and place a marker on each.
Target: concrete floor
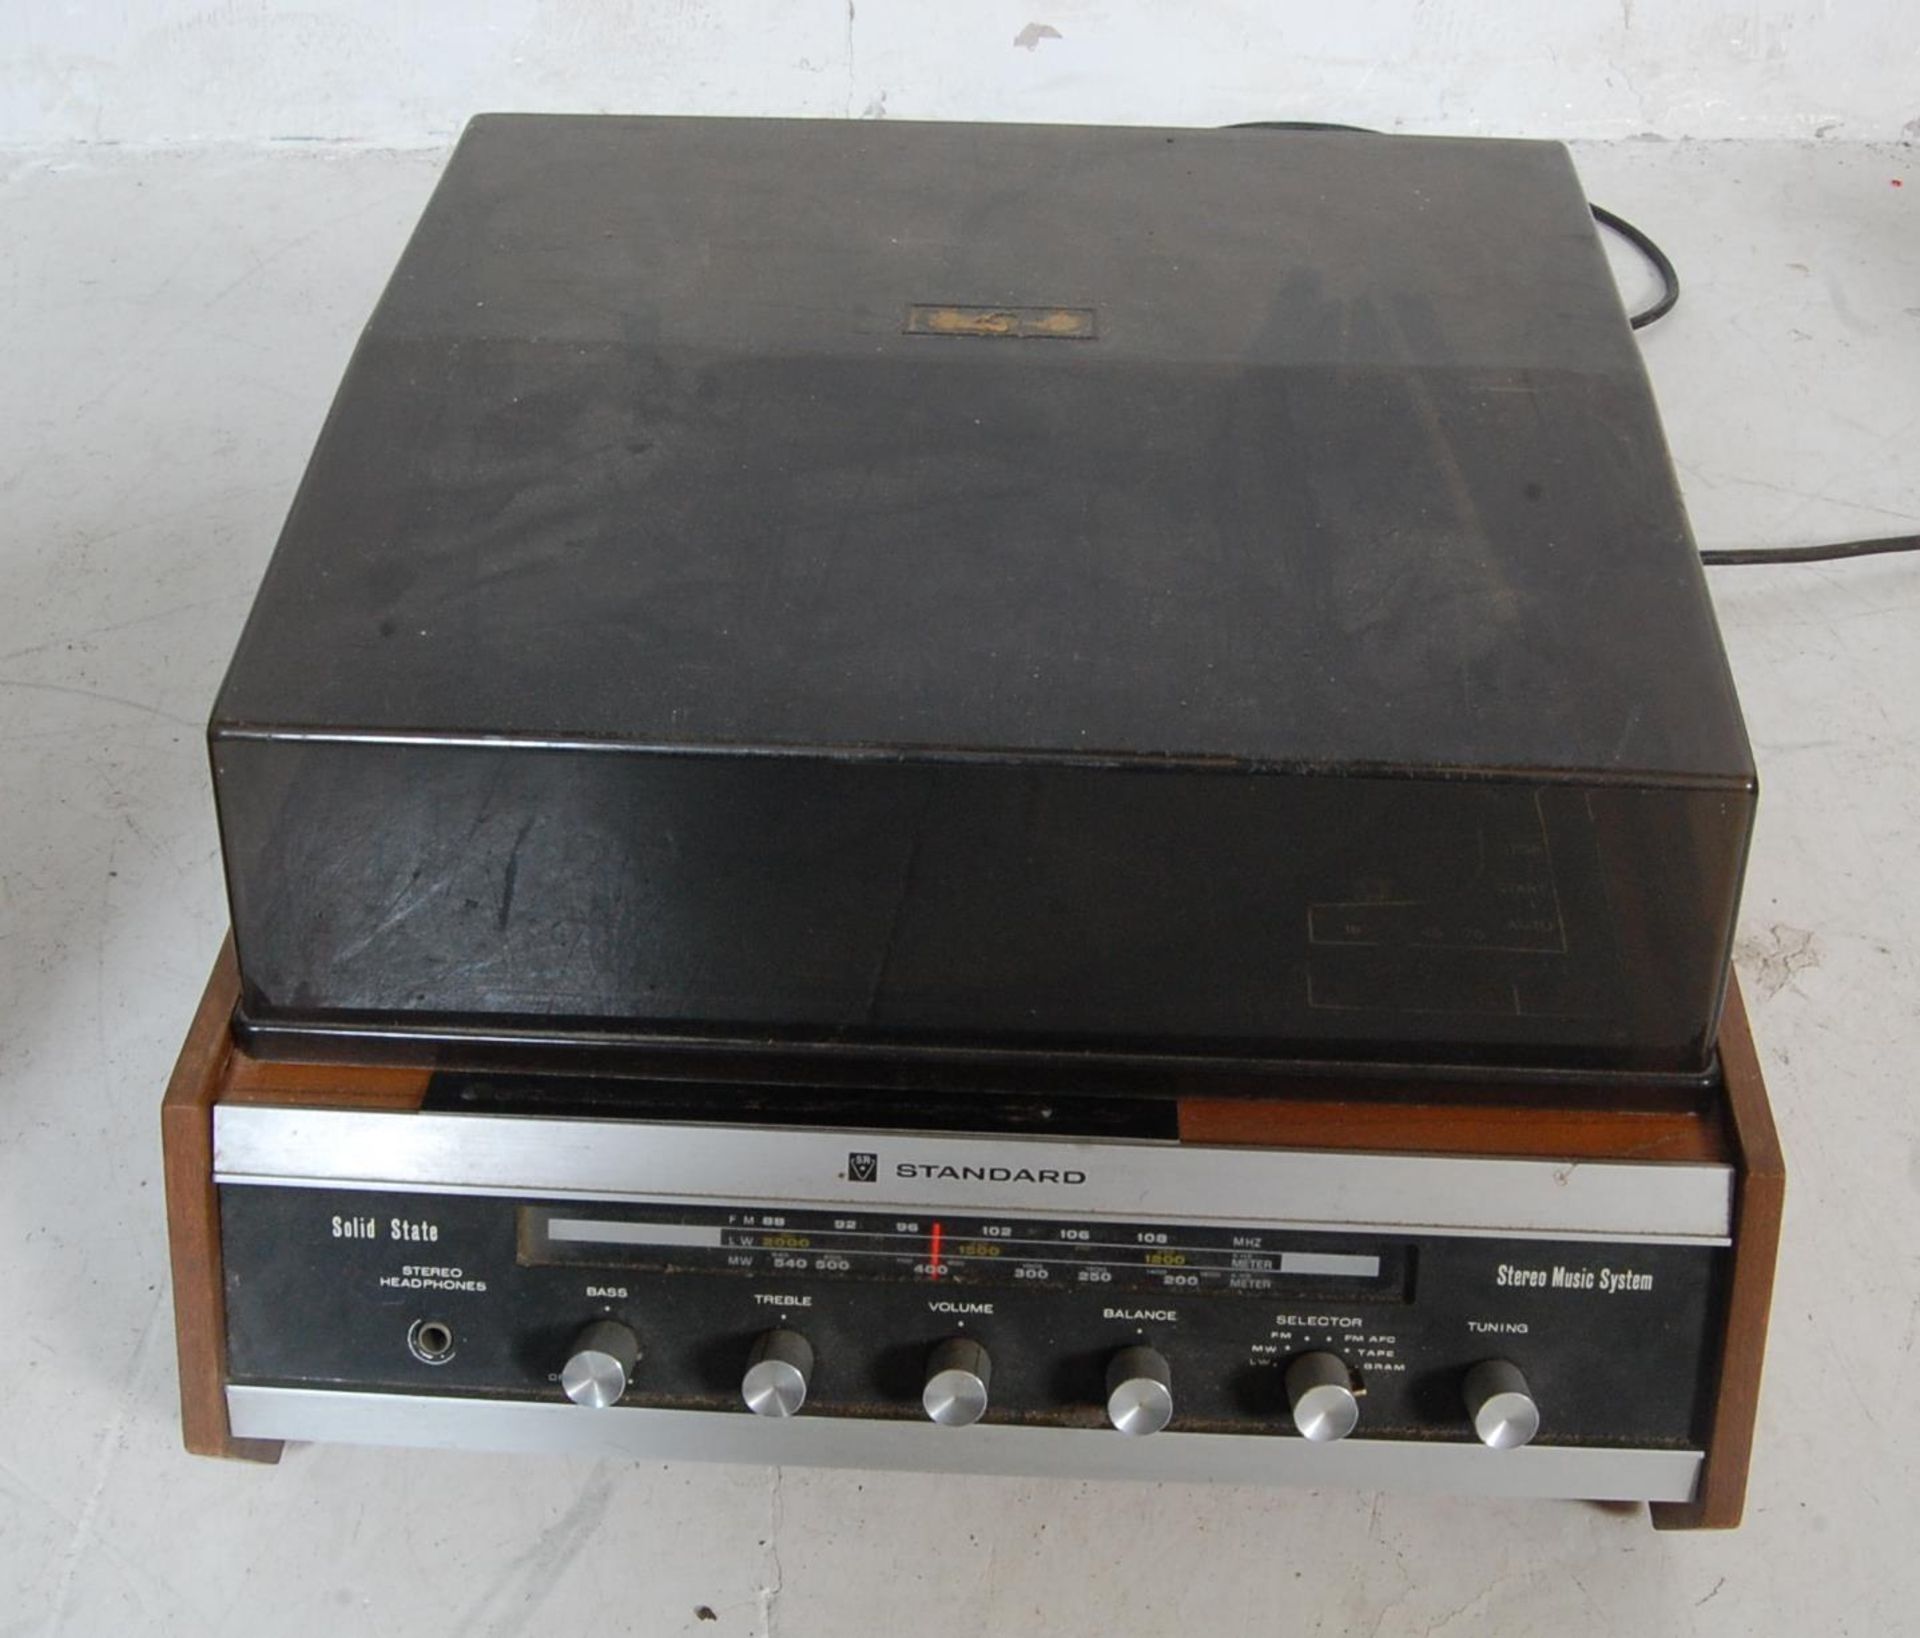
(175, 325)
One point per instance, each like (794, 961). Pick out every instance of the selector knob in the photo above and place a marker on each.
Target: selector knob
(958, 1376)
(778, 1372)
(600, 1365)
(1139, 1391)
(1501, 1405)
(1320, 1390)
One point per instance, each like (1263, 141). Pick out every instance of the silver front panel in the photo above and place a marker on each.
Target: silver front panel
(1591, 1474)
(1175, 1183)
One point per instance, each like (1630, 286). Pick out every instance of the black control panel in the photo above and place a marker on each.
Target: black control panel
(854, 1313)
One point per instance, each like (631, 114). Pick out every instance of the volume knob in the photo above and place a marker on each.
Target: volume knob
(779, 1370)
(958, 1375)
(1501, 1405)
(1320, 1392)
(600, 1365)
(1139, 1391)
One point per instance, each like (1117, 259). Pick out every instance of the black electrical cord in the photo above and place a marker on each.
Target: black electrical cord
(1641, 241)
(1662, 265)
(1886, 544)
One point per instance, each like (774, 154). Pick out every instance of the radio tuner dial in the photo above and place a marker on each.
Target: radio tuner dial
(779, 1371)
(600, 1364)
(958, 1376)
(1139, 1391)
(1320, 1392)
(1501, 1405)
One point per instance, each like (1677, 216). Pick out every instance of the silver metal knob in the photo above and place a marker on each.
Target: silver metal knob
(1320, 1390)
(778, 1371)
(1501, 1405)
(601, 1364)
(1139, 1391)
(958, 1376)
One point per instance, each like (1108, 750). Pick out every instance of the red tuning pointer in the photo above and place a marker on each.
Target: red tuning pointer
(933, 1253)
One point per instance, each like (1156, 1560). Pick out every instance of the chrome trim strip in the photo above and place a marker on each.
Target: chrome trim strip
(1560, 1471)
(1121, 1180)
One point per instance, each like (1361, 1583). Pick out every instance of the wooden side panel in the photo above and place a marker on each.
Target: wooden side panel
(1759, 1201)
(193, 1224)
(1456, 1128)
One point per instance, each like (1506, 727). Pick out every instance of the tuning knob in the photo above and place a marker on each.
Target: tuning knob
(1501, 1405)
(600, 1364)
(1320, 1390)
(778, 1372)
(1139, 1391)
(958, 1375)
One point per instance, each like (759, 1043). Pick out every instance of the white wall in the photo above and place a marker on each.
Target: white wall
(410, 71)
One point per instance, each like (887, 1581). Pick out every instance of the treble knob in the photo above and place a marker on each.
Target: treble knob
(779, 1370)
(600, 1365)
(1320, 1392)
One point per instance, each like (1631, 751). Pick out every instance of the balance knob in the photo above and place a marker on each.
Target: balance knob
(778, 1371)
(1139, 1391)
(1501, 1405)
(600, 1364)
(958, 1375)
(1320, 1390)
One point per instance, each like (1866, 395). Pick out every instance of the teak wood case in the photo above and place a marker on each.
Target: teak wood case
(1736, 1129)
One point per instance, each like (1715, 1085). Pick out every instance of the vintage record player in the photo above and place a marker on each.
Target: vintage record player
(942, 796)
